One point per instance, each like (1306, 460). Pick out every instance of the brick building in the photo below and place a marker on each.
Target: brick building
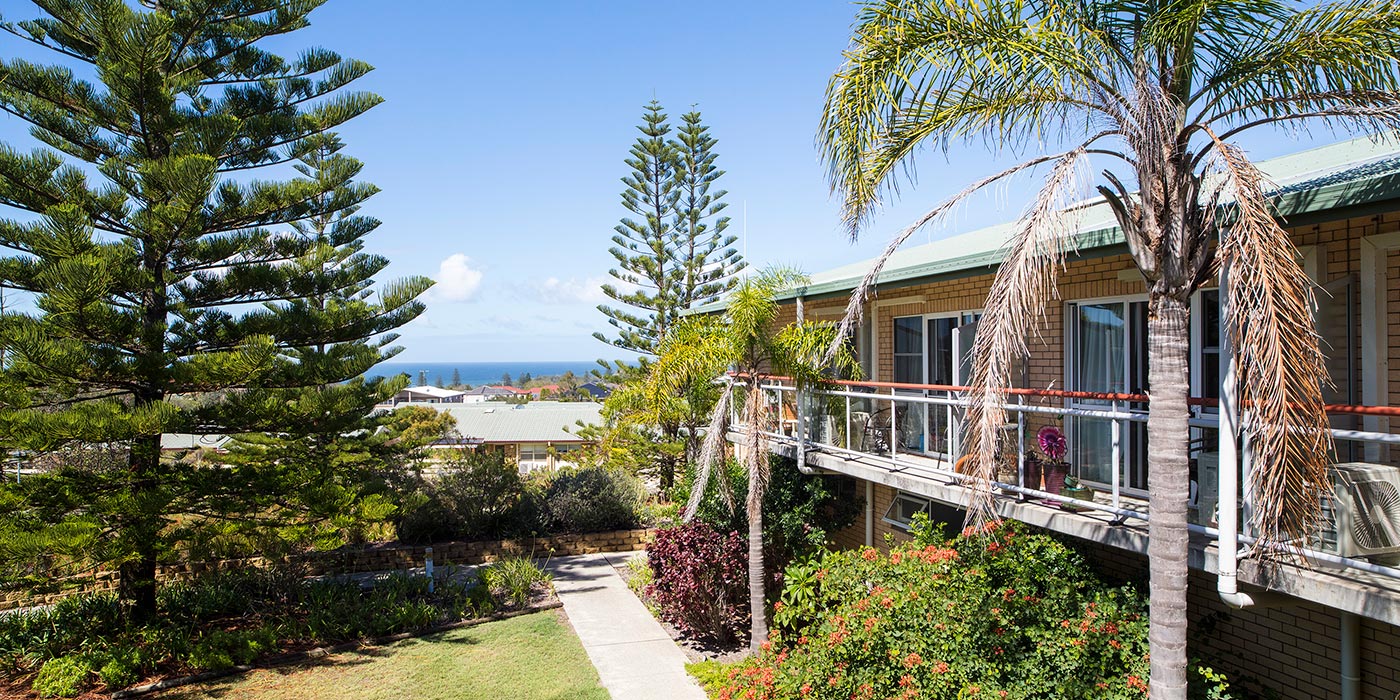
(897, 432)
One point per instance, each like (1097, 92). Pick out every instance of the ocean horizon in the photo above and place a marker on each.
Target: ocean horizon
(480, 373)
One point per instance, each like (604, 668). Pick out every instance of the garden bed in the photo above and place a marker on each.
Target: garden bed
(235, 621)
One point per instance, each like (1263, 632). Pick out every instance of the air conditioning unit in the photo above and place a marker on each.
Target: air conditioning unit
(1361, 514)
(1207, 487)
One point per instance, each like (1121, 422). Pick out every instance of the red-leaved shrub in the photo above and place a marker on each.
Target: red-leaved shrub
(700, 580)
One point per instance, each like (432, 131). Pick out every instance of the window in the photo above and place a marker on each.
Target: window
(1107, 354)
(1207, 337)
(909, 349)
(534, 455)
(903, 507)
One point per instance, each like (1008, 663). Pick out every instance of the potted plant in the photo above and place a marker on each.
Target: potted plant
(1053, 446)
(1074, 489)
(1033, 471)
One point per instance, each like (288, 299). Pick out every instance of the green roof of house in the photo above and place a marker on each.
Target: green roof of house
(1355, 172)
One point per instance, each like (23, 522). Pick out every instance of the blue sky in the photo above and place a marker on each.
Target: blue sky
(499, 149)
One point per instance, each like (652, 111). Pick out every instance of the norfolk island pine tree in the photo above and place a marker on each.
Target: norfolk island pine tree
(673, 257)
(1157, 91)
(164, 298)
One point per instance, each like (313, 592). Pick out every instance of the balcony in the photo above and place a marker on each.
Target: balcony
(906, 436)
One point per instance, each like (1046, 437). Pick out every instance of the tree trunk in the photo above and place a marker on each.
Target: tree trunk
(1168, 483)
(756, 459)
(136, 588)
(758, 623)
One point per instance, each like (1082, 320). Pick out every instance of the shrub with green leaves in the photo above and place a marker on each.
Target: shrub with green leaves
(219, 649)
(800, 511)
(994, 613)
(64, 677)
(478, 496)
(593, 499)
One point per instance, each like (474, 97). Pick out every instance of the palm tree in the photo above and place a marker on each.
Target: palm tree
(1156, 92)
(743, 346)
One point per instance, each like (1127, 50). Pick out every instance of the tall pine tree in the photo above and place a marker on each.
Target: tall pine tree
(644, 247)
(167, 295)
(706, 263)
(675, 254)
(326, 475)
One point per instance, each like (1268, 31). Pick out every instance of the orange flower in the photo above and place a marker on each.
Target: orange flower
(806, 689)
(912, 660)
(906, 680)
(940, 667)
(870, 555)
(895, 557)
(1136, 683)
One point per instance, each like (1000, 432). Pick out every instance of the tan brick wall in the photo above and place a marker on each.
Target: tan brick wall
(1294, 650)
(367, 558)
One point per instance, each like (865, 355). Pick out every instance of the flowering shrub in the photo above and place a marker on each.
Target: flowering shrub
(700, 580)
(996, 613)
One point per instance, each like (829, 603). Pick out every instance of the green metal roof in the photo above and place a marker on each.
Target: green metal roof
(1349, 173)
(536, 421)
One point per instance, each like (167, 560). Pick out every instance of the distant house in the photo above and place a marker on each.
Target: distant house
(595, 390)
(542, 391)
(428, 394)
(187, 442)
(483, 394)
(536, 435)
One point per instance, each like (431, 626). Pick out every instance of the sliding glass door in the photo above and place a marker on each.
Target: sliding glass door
(932, 349)
(1108, 355)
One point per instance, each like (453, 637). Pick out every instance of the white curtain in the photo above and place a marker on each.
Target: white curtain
(1100, 362)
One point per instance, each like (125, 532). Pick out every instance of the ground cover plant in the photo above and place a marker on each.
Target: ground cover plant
(997, 612)
(229, 619)
(531, 657)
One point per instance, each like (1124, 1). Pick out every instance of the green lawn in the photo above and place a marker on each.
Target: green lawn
(532, 657)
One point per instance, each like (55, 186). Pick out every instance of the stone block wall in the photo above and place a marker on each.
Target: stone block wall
(382, 556)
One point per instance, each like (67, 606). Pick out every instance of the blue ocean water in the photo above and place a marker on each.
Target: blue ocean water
(479, 373)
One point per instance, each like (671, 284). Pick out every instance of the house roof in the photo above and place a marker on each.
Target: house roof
(188, 441)
(490, 391)
(537, 421)
(1355, 172)
(434, 391)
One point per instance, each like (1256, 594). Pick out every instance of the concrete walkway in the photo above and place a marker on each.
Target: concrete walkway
(635, 658)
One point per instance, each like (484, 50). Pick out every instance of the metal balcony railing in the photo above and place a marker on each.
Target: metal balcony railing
(865, 420)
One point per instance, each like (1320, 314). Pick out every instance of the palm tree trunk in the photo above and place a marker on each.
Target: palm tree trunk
(1168, 482)
(758, 623)
(756, 460)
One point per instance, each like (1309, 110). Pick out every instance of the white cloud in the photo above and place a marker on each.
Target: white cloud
(456, 279)
(565, 291)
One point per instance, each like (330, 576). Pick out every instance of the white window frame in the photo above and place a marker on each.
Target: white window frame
(905, 496)
(1071, 372)
(962, 318)
(533, 449)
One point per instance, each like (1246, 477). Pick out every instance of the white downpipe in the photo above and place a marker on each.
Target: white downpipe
(870, 514)
(1228, 544)
(1228, 538)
